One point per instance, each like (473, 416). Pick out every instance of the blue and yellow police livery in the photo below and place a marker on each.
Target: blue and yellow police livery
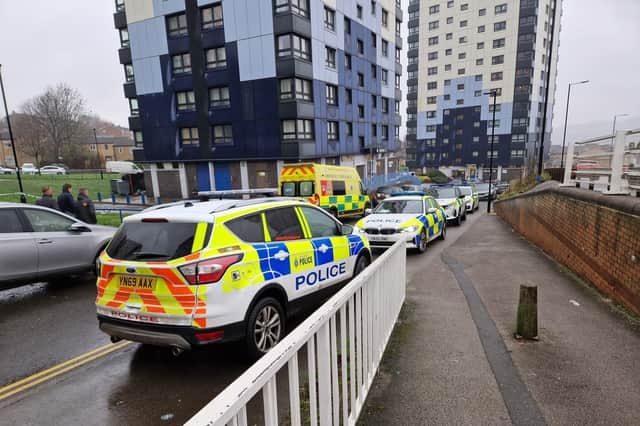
(413, 217)
(215, 271)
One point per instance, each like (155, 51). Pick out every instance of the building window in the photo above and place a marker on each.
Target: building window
(385, 18)
(332, 130)
(501, 8)
(480, 45)
(133, 107)
(299, 7)
(297, 129)
(374, 101)
(448, 52)
(449, 36)
(433, 41)
(384, 76)
(432, 70)
(431, 99)
(461, 71)
(186, 101)
(294, 45)
(385, 132)
(119, 5)
(398, 28)
(223, 134)
(128, 73)
(219, 97)
(478, 77)
(482, 12)
(373, 7)
(181, 64)
(137, 138)
(496, 60)
(496, 76)
(481, 28)
(432, 85)
(460, 87)
(124, 37)
(397, 108)
(212, 17)
(296, 88)
(398, 54)
(359, 11)
(189, 136)
(462, 55)
(498, 107)
(329, 19)
(463, 24)
(431, 114)
(360, 46)
(434, 9)
(330, 57)
(462, 40)
(332, 94)
(447, 97)
(450, 20)
(374, 72)
(177, 25)
(347, 61)
(374, 130)
(349, 96)
(385, 105)
(385, 48)
(500, 26)
(349, 128)
(216, 58)
(374, 40)
(432, 56)
(360, 79)
(497, 43)
(464, 6)
(360, 111)
(479, 61)
(433, 25)
(347, 25)
(397, 81)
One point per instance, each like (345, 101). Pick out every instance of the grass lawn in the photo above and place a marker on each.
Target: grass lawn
(109, 219)
(33, 184)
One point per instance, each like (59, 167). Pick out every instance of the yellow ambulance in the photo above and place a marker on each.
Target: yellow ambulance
(337, 189)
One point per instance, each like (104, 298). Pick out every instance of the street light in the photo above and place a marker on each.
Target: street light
(566, 117)
(494, 94)
(614, 125)
(23, 198)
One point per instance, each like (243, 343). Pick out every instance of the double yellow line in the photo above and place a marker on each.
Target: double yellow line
(55, 371)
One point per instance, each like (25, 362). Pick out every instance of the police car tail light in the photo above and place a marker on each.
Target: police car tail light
(209, 271)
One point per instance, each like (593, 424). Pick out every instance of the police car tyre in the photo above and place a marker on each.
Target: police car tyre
(361, 265)
(458, 219)
(265, 327)
(422, 247)
(464, 214)
(443, 233)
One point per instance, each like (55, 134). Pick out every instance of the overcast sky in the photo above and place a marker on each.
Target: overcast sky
(74, 41)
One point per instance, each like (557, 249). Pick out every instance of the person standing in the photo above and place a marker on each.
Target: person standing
(86, 211)
(47, 199)
(65, 200)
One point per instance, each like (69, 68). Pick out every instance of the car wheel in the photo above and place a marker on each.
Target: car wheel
(265, 327)
(464, 214)
(443, 233)
(459, 219)
(361, 265)
(422, 247)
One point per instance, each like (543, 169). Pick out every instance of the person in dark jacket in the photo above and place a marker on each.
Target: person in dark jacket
(65, 200)
(86, 211)
(47, 199)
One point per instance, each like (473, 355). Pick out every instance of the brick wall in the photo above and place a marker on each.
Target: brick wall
(596, 236)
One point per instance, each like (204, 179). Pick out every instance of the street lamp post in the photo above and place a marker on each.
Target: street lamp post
(613, 138)
(23, 198)
(566, 117)
(494, 94)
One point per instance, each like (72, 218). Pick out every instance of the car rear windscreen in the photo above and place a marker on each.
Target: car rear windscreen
(156, 241)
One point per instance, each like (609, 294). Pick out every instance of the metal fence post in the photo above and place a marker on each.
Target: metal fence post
(127, 197)
(617, 161)
(143, 198)
(113, 197)
(99, 194)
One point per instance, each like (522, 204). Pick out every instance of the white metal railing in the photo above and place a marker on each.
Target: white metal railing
(342, 343)
(612, 180)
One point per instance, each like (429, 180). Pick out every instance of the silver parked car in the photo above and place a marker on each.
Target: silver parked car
(37, 243)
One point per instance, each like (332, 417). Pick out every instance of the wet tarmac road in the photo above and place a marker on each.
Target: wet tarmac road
(46, 325)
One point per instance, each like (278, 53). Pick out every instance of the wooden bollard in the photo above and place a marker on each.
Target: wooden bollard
(527, 321)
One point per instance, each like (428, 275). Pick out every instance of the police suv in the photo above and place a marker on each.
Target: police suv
(452, 201)
(214, 271)
(413, 217)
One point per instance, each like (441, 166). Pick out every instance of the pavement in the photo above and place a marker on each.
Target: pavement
(453, 359)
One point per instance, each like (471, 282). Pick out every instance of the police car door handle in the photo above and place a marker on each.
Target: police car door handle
(281, 255)
(44, 241)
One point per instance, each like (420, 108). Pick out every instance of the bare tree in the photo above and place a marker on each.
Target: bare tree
(31, 137)
(60, 111)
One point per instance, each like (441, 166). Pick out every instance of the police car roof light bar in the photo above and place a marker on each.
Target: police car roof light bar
(401, 194)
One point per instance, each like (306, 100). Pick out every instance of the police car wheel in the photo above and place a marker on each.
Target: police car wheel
(422, 247)
(361, 265)
(443, 233)
(464, 214)
(459, 219)
(265, 327)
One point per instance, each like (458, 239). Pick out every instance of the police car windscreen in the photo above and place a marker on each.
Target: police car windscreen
(446, 193)
(152, 241)
(466, 190)
(400, 207)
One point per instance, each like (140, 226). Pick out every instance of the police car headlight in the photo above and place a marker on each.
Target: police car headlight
(409, 229)
(357, 230)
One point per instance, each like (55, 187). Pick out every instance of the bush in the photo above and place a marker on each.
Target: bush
(437, 176)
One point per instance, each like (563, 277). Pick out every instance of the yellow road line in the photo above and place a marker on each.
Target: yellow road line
(56, 370)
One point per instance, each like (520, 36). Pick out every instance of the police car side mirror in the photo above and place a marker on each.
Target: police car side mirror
(367, 212)
(346, 229)
(461, 197)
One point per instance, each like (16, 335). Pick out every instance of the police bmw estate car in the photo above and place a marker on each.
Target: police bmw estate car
(451, 200)
(414, 217)
(214, 271)
(471, 200)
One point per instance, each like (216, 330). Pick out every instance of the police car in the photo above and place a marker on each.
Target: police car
(413, 217)
(471, 200)
(215, 271)
(451, 200)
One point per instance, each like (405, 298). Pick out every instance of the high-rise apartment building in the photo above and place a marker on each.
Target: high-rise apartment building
(458, 51)
(223, 92)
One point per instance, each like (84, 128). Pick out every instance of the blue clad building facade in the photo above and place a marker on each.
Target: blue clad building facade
(223, 92)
